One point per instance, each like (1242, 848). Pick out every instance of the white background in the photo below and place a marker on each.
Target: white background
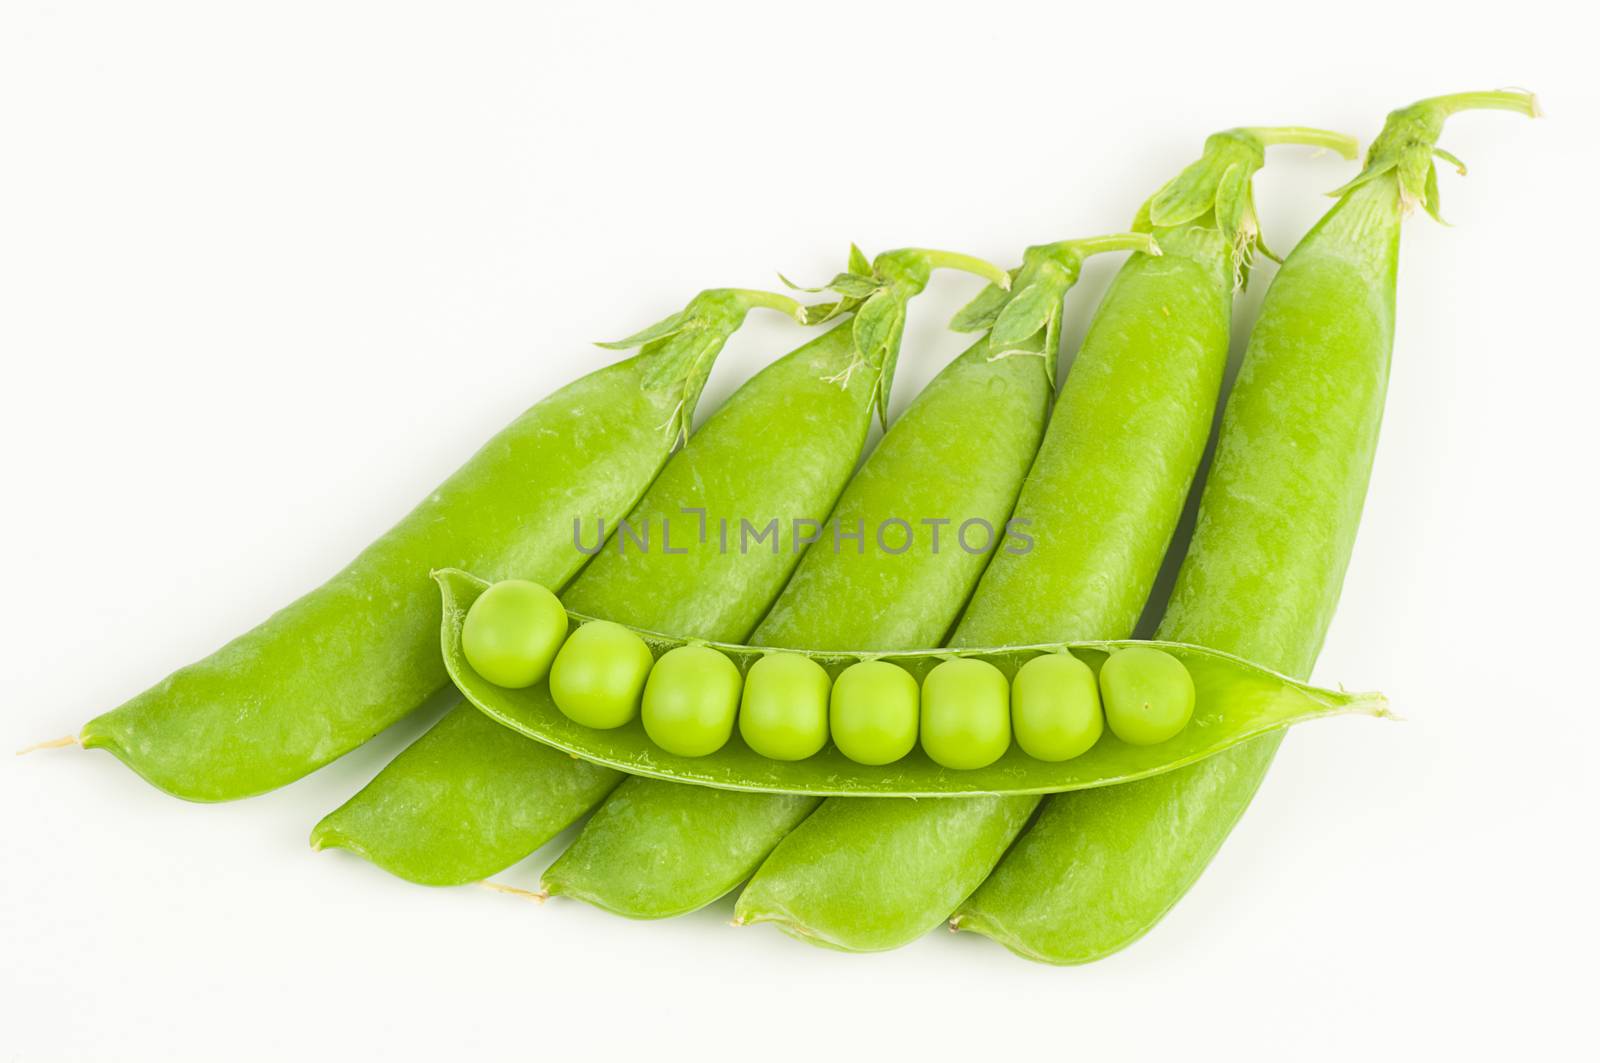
(268, 272)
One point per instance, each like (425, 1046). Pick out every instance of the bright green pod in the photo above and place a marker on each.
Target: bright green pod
(263, 711)
(827, 849)
(659, 849)
(813, 431)
(811, 410)
(457, 797)
(1276, 527)
(1108, 486)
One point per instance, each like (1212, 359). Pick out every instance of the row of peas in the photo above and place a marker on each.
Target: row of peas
(786, 707)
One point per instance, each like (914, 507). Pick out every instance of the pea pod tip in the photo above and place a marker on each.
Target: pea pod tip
(54, 743)
(536, 896)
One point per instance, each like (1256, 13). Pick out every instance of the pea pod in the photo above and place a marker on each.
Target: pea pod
(656, 849)
(810, 411)
(328, 672)
(1234, 702)
(1105, 494)
(1262, 576)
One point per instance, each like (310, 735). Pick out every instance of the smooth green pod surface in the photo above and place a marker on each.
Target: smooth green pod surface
(328, 672)
(812, 432)
(1276, 527)
(475, 777)
(1277, 521)
(659, 849)
(1105, 494)
(831, 856)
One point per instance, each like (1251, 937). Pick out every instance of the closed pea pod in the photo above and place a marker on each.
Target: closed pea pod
(261, 712)
(1262, 576)
(810, 411)
(657, 849)
(1104, 495)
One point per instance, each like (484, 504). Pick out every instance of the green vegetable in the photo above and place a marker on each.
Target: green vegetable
(657, 849)
(264, 710)
(874, 716)
(1148, 695)
(784, 444)
(1055, 707)
(458, 797)
(1109, 484)
(512, 633)
(691, 701)
(872, 712)
(1277, 522)
(966, 713)
(784, 711)
(599, 675)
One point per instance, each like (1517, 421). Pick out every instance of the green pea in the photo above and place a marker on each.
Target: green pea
(966, 714)
(1055, 707)
(512, 633)
(1149, 695)
(690, 701)
(599, 675)
(784, 711)
(873, 712)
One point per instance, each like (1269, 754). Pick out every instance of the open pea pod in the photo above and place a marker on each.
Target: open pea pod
(1235, 701)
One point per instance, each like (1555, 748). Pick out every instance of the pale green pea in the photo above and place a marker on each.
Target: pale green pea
(1055, 707)
(966, 714)
(873, 712)
(784, 711)
(512, 633)
(1148, 695)
(690, 701)
(599, 675)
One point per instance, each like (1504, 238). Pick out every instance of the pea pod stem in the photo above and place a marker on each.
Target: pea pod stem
(755, 298)
(1083, 247)
(877, 293)
(1025, 319)
(1347, 146)
(963, 264)
(1525, 103)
